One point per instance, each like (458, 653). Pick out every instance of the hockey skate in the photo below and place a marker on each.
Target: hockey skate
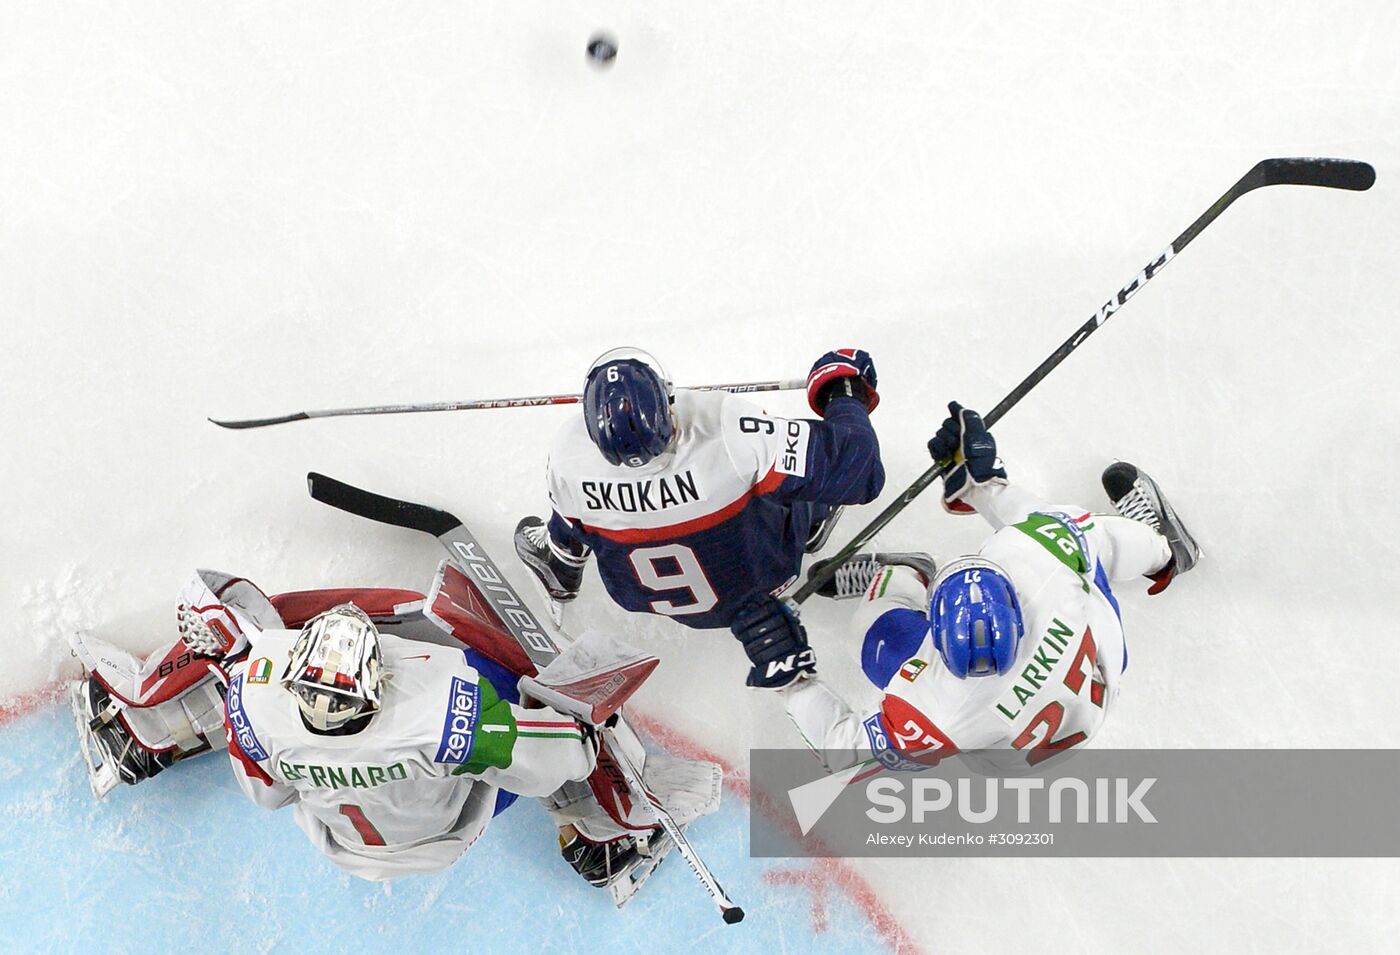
(621, 866)
(853, 578)
(111, 754)
(1136, 496)
(821, 533)
(687, 788)
(650, 853)
(557, 578)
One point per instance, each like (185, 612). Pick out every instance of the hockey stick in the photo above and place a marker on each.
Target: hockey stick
(1328, 173)
(538, 644)
(744, 387)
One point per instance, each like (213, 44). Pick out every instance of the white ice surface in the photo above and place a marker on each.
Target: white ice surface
(244, 209)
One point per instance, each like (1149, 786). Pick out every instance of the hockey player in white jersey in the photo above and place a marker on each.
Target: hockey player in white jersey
(689, 500)
(136, 718)
(1018, 648)
(395, 754)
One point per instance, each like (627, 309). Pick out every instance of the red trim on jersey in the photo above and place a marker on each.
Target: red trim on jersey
(640, 535)
(250, 766)
(913, 733)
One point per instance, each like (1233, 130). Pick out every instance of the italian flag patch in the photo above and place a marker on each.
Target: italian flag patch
(912, 668)
(260, 670)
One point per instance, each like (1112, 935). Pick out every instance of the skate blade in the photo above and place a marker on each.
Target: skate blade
(102, 774)
(626, 884)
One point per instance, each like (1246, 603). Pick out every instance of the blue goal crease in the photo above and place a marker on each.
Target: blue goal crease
(185, 859)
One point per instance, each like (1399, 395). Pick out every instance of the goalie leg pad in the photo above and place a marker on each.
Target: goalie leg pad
(604, 809)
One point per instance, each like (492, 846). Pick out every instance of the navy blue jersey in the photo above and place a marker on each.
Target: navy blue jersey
(726, 513)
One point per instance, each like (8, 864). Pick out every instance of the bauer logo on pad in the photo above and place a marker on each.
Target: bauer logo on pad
(460, 722)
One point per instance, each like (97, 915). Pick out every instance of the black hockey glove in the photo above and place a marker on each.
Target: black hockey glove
(965, 440)
(845, 371)
(775, 642)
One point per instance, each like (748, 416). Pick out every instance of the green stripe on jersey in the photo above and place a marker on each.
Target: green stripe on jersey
(1057, 539)
(494, 742)
(885, 576)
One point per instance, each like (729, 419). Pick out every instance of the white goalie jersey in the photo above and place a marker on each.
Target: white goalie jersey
(411, 790)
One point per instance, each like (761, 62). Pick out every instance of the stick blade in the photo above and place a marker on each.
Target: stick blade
(1328, 173)
(377, 507)
(258, 422)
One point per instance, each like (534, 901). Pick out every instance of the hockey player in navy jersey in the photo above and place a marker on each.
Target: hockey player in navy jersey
(691, 501)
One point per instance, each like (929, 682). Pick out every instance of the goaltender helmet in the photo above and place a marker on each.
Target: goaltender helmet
(975, 618)
(335, 671)
(627, 399)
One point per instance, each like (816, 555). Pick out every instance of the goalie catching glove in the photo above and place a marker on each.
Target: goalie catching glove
(965, 441)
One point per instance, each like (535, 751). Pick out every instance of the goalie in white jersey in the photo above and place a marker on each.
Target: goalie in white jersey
(1018, 648)
(395, 753)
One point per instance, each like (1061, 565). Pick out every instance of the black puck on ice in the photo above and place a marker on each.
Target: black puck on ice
(602, 49)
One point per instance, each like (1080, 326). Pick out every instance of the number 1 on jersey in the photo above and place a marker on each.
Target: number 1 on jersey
(674, 567)
(368, 834)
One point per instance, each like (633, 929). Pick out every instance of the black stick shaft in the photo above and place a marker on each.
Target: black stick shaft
(538, 644)
(1327, 173)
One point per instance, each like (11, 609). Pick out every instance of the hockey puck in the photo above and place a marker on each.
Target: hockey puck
(733, 915)
(602, 49)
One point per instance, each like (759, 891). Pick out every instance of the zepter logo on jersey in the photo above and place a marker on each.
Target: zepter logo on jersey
(241, 729)
(881, 749)
(459, 725)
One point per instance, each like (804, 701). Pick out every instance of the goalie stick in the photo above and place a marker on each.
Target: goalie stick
(534, 638)
(1328, 173)
(745, 387)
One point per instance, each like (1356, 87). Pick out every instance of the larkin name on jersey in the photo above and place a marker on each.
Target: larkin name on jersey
(1066, 668)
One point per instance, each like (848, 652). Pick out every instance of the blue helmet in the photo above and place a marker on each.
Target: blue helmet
(627, 404)
(975, 618)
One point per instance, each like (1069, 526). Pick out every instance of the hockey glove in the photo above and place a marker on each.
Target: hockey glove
(847, 372)
(965, 441)
(775, 642)
(207, 637)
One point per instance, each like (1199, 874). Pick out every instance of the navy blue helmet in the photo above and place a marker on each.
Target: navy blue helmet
(627, 404)
(975, 618)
